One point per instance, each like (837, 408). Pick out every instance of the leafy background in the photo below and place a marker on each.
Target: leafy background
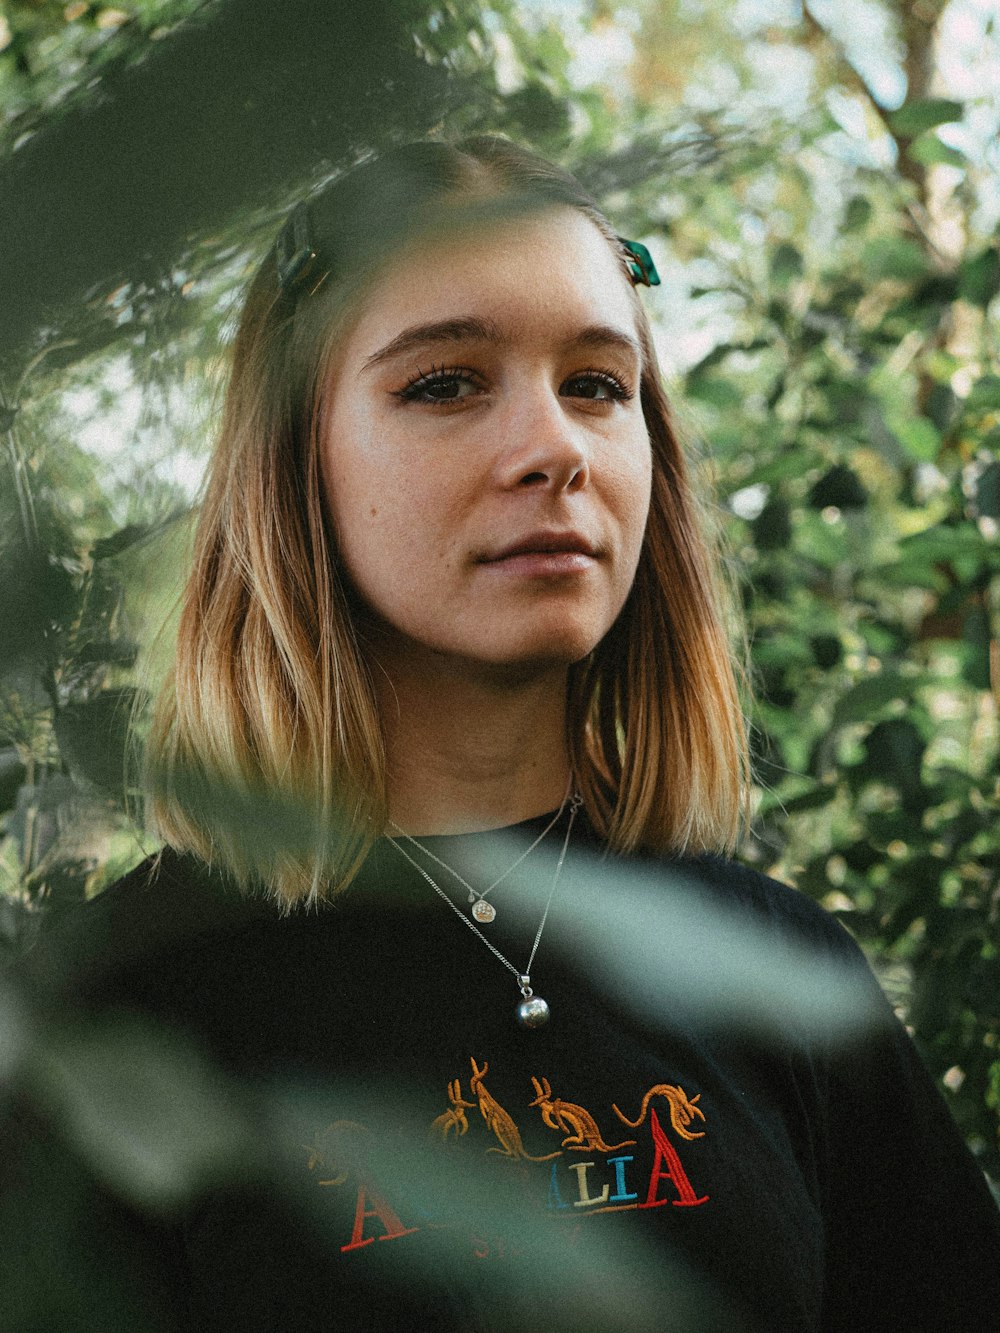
(818, 183)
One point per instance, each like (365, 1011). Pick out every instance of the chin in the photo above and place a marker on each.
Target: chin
(571, 638)
(546, 653)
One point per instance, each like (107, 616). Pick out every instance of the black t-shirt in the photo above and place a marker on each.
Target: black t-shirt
(231, 1118)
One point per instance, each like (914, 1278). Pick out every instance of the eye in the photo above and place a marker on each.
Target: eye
(598, 386)
(441, 385)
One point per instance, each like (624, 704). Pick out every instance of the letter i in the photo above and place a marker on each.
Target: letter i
(555, 1197)
(621, 1194)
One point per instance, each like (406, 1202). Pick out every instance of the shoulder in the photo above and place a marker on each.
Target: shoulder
(167, 903)
(736, 892)
(741, 888)
(722, 944)
(713, 881)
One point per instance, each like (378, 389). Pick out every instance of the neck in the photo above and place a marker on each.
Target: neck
(467, 754)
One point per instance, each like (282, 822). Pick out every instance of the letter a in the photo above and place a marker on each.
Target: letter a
(381, 1210)
(674, 1172)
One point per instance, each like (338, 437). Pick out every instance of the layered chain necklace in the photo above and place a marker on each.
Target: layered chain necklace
(483, 911)
(532, 1011)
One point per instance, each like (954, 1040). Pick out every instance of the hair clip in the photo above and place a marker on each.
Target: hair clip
(640, 264)
(294, 251)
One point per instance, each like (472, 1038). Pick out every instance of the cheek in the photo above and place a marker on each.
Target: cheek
(355, 491)
(378, 519)
(634, 490)
(355, 513)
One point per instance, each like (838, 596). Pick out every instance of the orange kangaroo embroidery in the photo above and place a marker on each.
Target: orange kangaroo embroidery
(682, 1110)
(498, 1121)
(454, 1118)
(327, 1148)
(579, 1126)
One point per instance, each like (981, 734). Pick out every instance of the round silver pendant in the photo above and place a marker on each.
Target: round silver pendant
(532, 1012)
(484, 911)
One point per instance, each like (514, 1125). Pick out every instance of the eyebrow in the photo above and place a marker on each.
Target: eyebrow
(471, 329)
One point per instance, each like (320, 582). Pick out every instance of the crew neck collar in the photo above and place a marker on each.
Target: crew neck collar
(531, 825)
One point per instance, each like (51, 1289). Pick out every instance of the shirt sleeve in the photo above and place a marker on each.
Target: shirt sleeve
(913, 1232)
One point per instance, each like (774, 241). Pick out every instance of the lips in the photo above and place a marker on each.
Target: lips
(543, 543)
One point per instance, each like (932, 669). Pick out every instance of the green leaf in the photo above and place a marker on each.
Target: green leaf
(810, 800)
(714, 390)
(857, 213)
(779, 649)
(38, 600)
(976, 637)
(93, 738)
(916, 893)
(869, 696)
(119, 541)
(12, 775)
(786, 264)
(942, 406)
(156, 1136)
(929, 149)
(894, 257)
(827, 650)
(979, 277)
(794, 462)
(825, 543)
(894, 753)
(721, 350)
(945, 542)
(772, 528)
(918, 436)
(988, 492)
(537, 113)
(916, 117)
(984, 395)
(861, 856)
(840, 486)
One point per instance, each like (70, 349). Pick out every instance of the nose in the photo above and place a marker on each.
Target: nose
(545, 447)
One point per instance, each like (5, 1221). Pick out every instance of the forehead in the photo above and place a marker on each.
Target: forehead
(540, 277)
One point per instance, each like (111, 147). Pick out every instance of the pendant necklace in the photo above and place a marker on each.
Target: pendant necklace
(483, 911)
(533, 1011)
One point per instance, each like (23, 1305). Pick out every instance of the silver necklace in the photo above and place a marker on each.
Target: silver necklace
(532, 1011)
(483, 911)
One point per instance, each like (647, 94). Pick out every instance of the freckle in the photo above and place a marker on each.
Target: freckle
(374, 512)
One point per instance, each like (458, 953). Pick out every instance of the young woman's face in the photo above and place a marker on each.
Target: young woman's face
(486, 464)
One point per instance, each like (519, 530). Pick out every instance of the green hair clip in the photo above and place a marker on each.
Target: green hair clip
(640, 264)
(295, 250)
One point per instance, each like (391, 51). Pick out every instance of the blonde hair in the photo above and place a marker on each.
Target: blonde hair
(270, 705)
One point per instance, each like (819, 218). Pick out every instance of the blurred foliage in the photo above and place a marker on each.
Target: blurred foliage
(55, 54)
(832, 268)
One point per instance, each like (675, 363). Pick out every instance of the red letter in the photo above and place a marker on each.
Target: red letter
(674, 1171)
(381, 1210)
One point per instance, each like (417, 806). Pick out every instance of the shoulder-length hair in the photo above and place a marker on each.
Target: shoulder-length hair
(270, 705)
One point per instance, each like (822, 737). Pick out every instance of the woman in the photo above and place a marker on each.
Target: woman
(450, 584)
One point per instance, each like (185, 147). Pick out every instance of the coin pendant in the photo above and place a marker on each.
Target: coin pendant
(484, 911)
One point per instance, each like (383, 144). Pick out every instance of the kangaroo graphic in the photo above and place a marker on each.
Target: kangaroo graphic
(453, 1120)
(682, 1110)
(327, 1149)
(579, 1126)
(498, 1121)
